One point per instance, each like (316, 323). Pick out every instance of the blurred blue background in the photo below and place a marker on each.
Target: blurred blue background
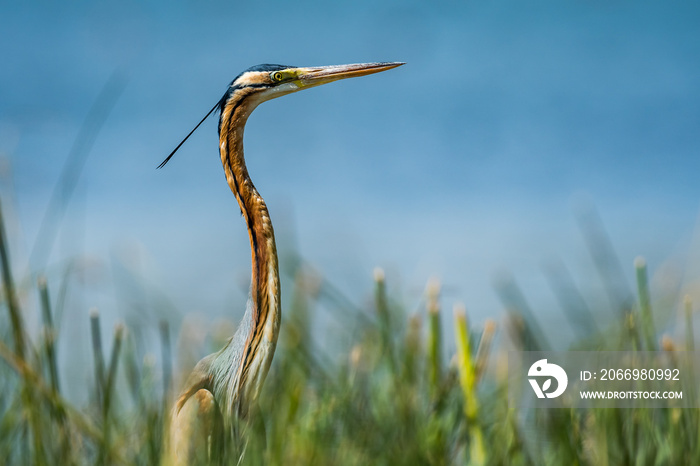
(469, 160)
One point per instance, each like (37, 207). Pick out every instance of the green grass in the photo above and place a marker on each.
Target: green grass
(400, 391)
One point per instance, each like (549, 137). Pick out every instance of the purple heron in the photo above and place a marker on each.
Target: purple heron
(223, 388)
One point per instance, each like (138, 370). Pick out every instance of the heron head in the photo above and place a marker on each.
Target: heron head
(273, 81)
(260, 83)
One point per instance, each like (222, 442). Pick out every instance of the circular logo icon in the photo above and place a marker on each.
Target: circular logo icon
(544, 371)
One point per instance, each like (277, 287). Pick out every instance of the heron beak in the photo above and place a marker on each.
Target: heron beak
(317, 75)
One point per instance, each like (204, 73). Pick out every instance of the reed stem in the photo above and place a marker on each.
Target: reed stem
(467, 380)
(646, 317)
(434, 337)
(98, 355)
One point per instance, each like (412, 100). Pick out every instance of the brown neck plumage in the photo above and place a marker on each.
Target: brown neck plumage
(264, 290)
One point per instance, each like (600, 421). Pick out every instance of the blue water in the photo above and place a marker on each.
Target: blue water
(467, 161)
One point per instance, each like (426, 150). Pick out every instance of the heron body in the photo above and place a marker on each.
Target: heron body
(224, 386)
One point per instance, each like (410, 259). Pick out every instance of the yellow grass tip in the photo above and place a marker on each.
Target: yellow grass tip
(667, 343)
(378, 274)
(433, 287)
(460, 311)
(490, 326)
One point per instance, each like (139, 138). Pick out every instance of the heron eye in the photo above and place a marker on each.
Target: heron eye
(277, 76)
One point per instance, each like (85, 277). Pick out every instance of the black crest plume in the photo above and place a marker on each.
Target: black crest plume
(186, 137)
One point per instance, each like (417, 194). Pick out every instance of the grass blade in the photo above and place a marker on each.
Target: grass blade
(434, 337)
(11, 293)
(646, 317)
(49, 334)
(467, 380)
(98, 356)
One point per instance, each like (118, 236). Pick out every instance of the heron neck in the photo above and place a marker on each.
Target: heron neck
(264, 290)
